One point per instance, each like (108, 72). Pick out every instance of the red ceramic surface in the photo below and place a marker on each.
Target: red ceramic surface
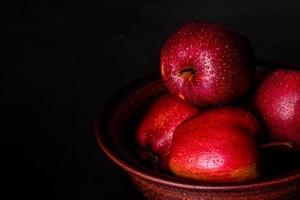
(115, 131)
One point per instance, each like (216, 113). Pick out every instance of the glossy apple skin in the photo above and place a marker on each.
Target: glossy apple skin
(216, 146)
(277, 102)
(231, 116)
(155, 131)
(222, 60)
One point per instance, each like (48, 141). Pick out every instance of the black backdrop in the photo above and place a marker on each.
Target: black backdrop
(63, 59)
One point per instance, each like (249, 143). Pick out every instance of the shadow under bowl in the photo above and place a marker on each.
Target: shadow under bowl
(115, 132)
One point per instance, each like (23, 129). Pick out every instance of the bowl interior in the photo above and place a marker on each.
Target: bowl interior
(117, 125)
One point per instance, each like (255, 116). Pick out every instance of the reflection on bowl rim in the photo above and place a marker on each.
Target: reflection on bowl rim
(147, 174)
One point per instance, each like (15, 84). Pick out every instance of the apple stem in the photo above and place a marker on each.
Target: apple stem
(288, 145)
(187, 72)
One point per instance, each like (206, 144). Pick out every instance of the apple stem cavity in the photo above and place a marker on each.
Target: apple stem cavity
(289, 145)
(187, 73)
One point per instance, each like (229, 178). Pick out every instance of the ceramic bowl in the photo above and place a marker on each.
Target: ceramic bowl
(115, 132)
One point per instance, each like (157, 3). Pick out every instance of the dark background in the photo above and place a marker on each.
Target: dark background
(63, 59)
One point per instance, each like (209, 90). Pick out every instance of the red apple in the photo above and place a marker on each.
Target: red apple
(155, 132)
(249, 102)
(216, 146)
(207, 64)
(231, 116)
(278, 103)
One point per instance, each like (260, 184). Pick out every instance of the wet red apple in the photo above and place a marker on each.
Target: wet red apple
(231, 116)
(278, 104)
(207, 64)
(217, 146)
(248, 103)
(155, 131)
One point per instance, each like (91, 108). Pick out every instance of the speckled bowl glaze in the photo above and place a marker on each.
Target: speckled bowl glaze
(115, 131)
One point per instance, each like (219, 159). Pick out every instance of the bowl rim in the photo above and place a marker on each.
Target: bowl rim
(285, 179)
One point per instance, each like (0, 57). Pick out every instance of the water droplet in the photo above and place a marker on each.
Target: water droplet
(182, 53)
(211, 71)
(174, 73)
